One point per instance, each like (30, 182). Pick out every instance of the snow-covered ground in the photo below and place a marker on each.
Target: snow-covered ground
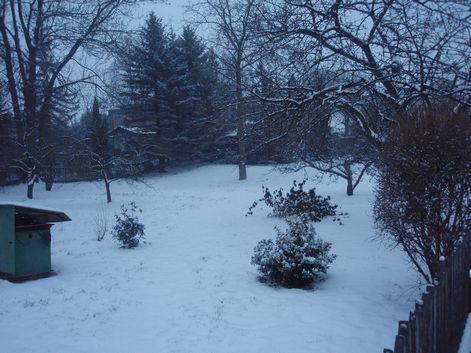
(192, 287)
(465, 346)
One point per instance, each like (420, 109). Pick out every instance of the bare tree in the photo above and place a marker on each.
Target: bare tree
(235, 42)
(66, 28)
(388, 54)
(96, 152)
(341, 152)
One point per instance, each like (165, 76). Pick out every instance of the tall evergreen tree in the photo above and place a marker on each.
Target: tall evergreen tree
(193, 92)
(98, 152)
(170, 86)
(98, 131)
(146, 70)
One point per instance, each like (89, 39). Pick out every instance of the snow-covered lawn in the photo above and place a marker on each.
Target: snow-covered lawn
(192, 287)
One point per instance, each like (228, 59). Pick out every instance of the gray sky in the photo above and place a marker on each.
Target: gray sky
(171, 11)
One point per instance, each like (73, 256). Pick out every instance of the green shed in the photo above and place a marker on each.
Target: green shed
(25, 241)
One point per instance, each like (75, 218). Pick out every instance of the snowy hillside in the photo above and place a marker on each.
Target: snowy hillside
(192, 288)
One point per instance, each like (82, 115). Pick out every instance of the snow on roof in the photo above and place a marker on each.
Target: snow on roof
(135, 130)
(51, 215)
(232, 133)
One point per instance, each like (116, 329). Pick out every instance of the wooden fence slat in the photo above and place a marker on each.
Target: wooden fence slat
(399, 345)
(412, 333)
(438, 319)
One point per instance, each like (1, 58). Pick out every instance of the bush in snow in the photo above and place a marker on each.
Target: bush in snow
(101, 223)
(128, 230)
(297, 202)
(296, 258)
(423, 193)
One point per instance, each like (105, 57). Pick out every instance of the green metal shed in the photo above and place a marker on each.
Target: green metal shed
(25, 241)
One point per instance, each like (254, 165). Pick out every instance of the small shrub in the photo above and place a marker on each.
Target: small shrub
(101, 224)
(128, 230)
(296, 258)
(297, 202)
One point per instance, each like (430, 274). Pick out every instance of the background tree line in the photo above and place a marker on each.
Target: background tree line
(347, 88)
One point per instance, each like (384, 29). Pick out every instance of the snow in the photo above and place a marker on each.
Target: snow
(136, 130)
(465, 346)
(30, 205)
(192, 288)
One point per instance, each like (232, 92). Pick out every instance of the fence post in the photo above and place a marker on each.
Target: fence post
(403, 331)
(437, 323)
(419, 326)
(412, 333)
(399, 344)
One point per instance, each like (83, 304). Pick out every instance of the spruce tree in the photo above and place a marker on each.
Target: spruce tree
(191, 95)
(98, 132)
(147, 70)
(171, 86)
(100, 158)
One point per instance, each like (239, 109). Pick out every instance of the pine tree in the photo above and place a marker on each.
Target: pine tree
(193, 93)
(98, 132)
(146, 70)
(100, 159)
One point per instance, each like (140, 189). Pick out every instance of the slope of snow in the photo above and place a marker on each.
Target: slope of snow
(192, 288)
(465, 346)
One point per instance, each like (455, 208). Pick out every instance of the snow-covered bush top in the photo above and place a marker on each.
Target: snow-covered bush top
(297, 202)
(296, 258)
(128, 230)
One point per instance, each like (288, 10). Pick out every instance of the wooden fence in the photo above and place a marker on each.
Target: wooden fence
(437, 323)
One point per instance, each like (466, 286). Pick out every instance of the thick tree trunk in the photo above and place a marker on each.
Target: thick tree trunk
(349, 186)
(108, 191)
(32, 178)
(240, 125)
(49, 184)
(349, 174)
(107, 185)
(29, 194)
(162, 165)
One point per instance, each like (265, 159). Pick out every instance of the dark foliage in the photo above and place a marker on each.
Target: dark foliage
(297, 202)
(296, 258)
(128, 230)
(169, 91)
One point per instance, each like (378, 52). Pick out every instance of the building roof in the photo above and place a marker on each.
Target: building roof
(40, 214)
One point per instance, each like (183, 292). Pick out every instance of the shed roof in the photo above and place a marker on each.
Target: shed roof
(40, 214)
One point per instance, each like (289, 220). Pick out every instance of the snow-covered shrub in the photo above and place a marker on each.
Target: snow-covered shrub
(297, 202)
(296, 258)
(128, 230)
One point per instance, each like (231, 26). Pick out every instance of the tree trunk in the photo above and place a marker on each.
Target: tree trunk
(49, 184)
(349, 186)
(108, 191)
(32, 177)
(240, 124)
(30, 190)
(162, 165)
(349, 174)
